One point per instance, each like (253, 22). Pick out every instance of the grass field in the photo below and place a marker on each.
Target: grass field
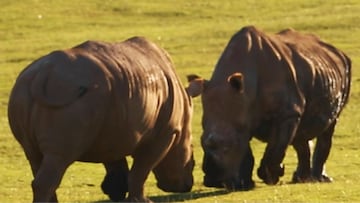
(194, 33)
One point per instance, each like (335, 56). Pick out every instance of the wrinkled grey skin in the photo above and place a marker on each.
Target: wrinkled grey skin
(100, 102)
(283, 89)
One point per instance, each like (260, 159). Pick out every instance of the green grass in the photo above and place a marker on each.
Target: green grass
(194, 33)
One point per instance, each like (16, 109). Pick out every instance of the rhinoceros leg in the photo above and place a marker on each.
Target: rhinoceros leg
(48, 178)
(303, 170)
(321, 153)
(35, 165)
(35, 159)
(146, 156)
(115, 183)
(271, 168)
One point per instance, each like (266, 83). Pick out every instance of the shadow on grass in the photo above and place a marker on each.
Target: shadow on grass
(180, 197)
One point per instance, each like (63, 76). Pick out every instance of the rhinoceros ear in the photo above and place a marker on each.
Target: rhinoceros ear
(236, 81)
(196, 85)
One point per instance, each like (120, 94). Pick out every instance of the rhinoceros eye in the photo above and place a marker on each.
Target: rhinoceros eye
(82, 90)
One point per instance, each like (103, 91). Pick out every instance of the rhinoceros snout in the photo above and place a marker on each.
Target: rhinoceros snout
(176, 187)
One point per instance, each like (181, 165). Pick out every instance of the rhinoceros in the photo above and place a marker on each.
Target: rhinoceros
(284, 89)
(101, 102)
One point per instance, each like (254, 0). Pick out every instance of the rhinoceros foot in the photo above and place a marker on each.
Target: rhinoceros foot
(301, 178)
(115, 186)
(270, 174)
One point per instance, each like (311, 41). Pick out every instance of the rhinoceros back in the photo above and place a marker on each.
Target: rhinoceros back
(118, 91)
(287, 68)
(143, 81)
(328, 90)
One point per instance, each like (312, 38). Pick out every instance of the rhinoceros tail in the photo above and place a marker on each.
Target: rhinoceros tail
(53, 90)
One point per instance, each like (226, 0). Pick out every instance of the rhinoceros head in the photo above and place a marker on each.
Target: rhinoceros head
(225, 122)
